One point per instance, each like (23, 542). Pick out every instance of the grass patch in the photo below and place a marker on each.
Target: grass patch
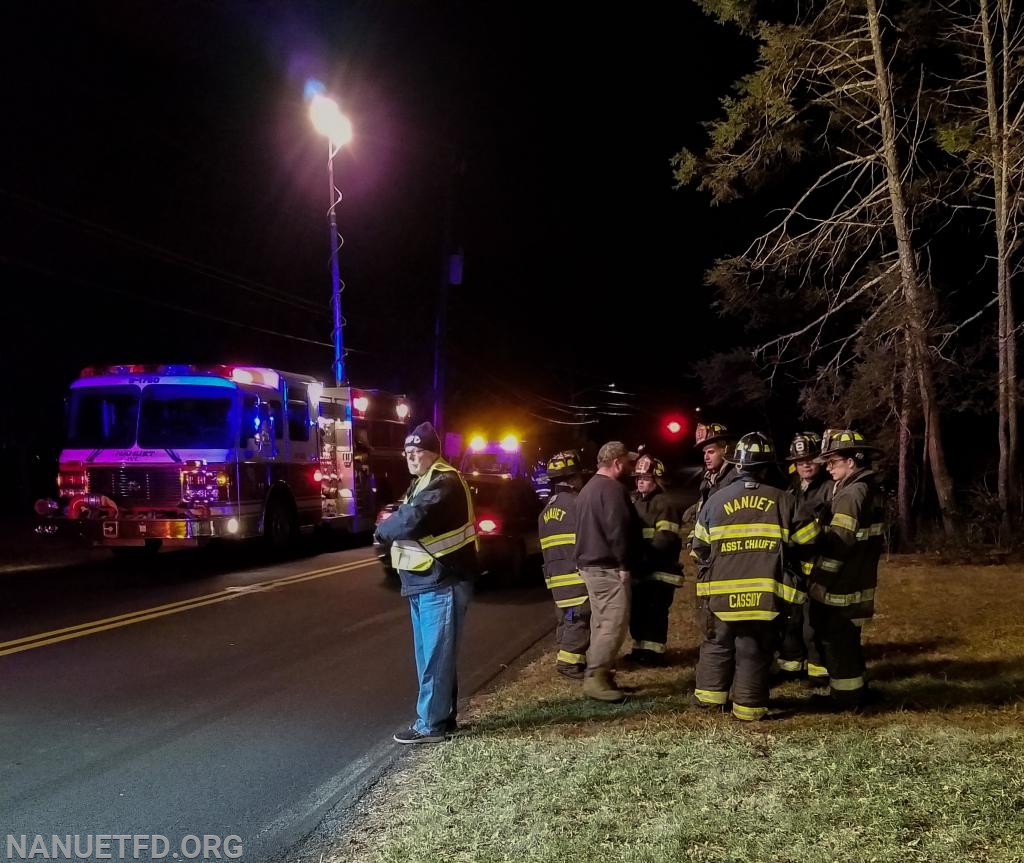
(934, 773)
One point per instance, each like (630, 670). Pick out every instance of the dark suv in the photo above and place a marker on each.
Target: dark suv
(506, 513)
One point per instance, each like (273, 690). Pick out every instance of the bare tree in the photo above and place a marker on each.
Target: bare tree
(983, 122)
(822, 94)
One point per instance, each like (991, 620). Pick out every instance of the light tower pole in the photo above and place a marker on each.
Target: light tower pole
(329, 121)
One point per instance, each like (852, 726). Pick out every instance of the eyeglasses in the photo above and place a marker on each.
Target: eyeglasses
(413, 453)
(832, 462)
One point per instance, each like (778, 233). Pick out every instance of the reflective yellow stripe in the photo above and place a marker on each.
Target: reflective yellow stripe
(752, 585)
(790, 594)
(736, 585)
(742, 531)
(711, 696)
(670, 526)
(816, 670)
(865, 533)
(748, 714)
(807, 567)
(668, 577)
(846, 684)
(571, 658)
(558, 539)
(844, 521)
(653, 646)
(565, 580)
(830, 564)
(701, 532)
(409, 555)
(648, 533)
(791, 665)
(807, 534)
(841, 600)
(446, 543)
(571, 603)
(754, 614)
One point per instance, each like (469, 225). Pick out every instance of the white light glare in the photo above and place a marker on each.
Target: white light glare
(329, 121)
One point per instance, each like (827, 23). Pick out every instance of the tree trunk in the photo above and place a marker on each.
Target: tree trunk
(916, 293)
(905, 456)
(996, 108)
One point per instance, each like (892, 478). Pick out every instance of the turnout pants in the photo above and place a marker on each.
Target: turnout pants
(838, 639)
(648, 620)
(798, 652)
(572, 634)
(736, 656)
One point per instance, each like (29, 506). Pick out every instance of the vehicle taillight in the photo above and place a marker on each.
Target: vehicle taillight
(204, 484)
(72, 483)
(487, 525)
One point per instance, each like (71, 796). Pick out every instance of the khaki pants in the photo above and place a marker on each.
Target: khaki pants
(609, 615)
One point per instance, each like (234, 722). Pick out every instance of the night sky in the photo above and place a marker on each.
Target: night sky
(164, 196)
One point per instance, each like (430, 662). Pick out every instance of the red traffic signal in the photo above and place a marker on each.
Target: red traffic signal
(673, 426)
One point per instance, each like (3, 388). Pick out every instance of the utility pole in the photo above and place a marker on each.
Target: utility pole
(451, 275)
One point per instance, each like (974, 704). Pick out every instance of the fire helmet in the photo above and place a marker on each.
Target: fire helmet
(847, 443)
(805, 445)
(649, 466)
(711, 433)
(753, 450)
(563, 464)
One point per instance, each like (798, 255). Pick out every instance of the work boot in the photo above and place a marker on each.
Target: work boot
(575, 672)
(600, 686)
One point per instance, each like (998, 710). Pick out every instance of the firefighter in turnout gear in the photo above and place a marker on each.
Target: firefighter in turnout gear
(557, 531)
(659, 574)
(845, 574)
(712, 439)
(812, 488)
(742, 537)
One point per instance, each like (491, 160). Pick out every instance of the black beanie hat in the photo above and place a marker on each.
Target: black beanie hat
(425, 437)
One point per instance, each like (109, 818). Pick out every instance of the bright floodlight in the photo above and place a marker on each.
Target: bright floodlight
(329, 121)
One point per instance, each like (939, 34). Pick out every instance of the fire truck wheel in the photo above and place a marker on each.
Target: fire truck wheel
(280, 523)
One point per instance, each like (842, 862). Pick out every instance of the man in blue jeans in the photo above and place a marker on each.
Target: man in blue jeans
(433, 547)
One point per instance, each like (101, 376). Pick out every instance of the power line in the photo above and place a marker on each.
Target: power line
(182, 309)
(168, 256)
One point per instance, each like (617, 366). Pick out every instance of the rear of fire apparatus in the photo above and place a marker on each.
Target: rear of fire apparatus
(178, 455)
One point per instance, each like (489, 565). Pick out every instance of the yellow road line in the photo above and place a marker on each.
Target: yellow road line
(79, 630)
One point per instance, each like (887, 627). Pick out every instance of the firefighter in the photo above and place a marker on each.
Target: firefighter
(812, 488)
(557, 531)
(659, 574)
(845, 573)
(712, 439)
(743, 534)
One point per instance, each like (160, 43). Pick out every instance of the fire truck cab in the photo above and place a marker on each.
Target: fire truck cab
(178, 455)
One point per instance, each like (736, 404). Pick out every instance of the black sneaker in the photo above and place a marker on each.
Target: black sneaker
(411, 735)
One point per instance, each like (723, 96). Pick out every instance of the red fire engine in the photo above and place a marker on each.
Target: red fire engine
(178, 455)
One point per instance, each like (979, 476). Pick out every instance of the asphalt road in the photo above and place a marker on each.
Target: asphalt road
(197, 694)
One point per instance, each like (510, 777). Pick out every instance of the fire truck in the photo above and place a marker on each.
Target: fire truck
(179, 455)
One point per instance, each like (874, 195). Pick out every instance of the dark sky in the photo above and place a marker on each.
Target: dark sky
(164, 194)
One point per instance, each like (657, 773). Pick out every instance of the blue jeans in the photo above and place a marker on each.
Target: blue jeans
(437, 620)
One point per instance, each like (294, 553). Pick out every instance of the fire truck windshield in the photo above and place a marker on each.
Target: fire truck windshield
(161, 415)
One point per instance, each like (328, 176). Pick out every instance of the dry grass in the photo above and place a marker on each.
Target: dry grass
(935, 772)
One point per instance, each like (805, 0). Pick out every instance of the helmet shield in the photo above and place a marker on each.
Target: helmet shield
(563, 464)
(804, 446)
(754, 450)
(649, 466)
